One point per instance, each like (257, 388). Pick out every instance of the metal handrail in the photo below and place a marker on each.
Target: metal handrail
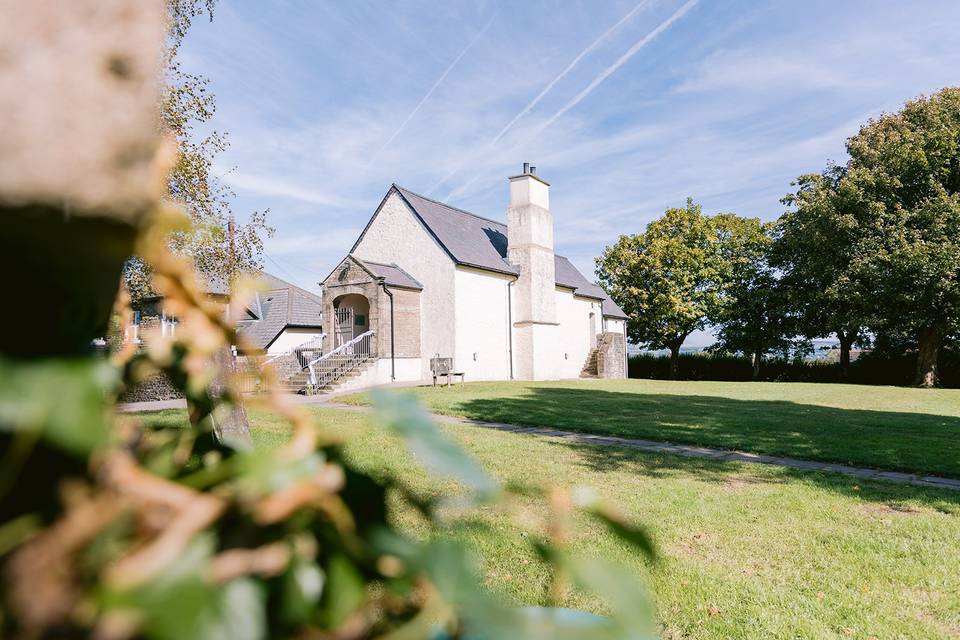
(342, 347)
(346, 349)
(293, 351)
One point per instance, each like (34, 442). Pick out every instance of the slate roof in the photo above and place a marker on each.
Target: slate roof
(475, 241)
(392, 275)
(469, 239)
(281, 305)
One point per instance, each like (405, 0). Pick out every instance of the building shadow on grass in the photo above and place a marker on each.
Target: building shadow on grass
(727, 475)
(894, 441)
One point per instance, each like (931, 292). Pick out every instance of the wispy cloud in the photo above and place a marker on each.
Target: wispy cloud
(543, 92)
(271, 186)
(600, 77)
(566, 70)
(622, 60)
(433, 88)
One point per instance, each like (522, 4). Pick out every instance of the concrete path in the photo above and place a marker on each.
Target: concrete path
(652, 446)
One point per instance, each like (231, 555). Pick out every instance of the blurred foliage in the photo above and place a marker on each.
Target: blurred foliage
(112, 530)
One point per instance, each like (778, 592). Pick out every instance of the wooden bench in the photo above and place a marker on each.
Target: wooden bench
(444, 367)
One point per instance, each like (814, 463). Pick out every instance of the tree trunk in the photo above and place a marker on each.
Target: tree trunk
(675, 363)
(757, 357)
(929, 347)
(231, 425)
(846, 342)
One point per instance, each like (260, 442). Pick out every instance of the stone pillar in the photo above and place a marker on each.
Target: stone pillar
(530, 247)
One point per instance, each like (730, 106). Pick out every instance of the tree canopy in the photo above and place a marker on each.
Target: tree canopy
(904, 172)
(814, 252)
(672, 279)
(752, 318)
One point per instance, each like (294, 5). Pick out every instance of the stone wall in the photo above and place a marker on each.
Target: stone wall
(351, 278)
(406, 318)
(611, 355)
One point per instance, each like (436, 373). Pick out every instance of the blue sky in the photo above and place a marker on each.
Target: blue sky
(625, 107)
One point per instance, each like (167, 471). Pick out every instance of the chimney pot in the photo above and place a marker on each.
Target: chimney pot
(533, 170)
(526, 168)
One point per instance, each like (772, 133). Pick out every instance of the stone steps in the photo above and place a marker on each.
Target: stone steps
(590, 369)
(298, 383)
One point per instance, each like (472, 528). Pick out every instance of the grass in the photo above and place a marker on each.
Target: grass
(891, 428)
(779, 553)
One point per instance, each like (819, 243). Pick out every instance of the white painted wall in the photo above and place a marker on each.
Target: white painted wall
(614, 325)
(574, 344)
(407, 370)
(291, 337)
(482, 325)
(397, 236)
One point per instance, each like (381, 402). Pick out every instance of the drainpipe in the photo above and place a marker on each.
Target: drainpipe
(510, 325)
(393, 369)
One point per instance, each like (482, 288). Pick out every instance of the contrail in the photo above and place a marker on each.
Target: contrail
(434, 87)
(622, 60)
(527, 109)
(603, 75)
(580, 56)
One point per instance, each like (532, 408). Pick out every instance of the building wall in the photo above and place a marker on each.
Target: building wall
(573, 314)
(396, 236)
(350, 279)
(614, 325)
(406, 318)
(292, 337)
(482, 324)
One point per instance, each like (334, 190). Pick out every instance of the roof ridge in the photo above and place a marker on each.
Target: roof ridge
(444, 204)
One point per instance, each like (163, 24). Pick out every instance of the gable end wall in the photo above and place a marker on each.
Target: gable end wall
(396, 235)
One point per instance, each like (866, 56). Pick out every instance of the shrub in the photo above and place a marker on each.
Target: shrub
(869, 368)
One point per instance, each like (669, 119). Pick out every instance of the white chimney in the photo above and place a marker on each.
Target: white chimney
(530, 248)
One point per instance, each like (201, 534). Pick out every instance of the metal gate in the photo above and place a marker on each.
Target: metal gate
(344, 326)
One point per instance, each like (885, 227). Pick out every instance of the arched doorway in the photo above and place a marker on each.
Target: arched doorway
(351, 318)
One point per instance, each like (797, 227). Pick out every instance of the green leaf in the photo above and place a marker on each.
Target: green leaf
(345, 590)
(267, 472)
(301, 591)
(438, 453)
(619, 589)
(451, 570)
(626, 531)
(173, 603)
(239, 613)
(62, 399)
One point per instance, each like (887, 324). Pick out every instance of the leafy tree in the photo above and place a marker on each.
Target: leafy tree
(814, 250)
(670, 279)
(905, 172)
(752, 319)
(187, 105)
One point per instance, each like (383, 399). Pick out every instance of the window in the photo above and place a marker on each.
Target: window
(359, 320)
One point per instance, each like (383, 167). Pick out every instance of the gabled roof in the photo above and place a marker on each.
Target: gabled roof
(612, 310)
(392, 275)
(475, 241)
(281, 305)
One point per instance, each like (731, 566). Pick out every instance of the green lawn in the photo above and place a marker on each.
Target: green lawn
(892, 428)
(780, 553)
